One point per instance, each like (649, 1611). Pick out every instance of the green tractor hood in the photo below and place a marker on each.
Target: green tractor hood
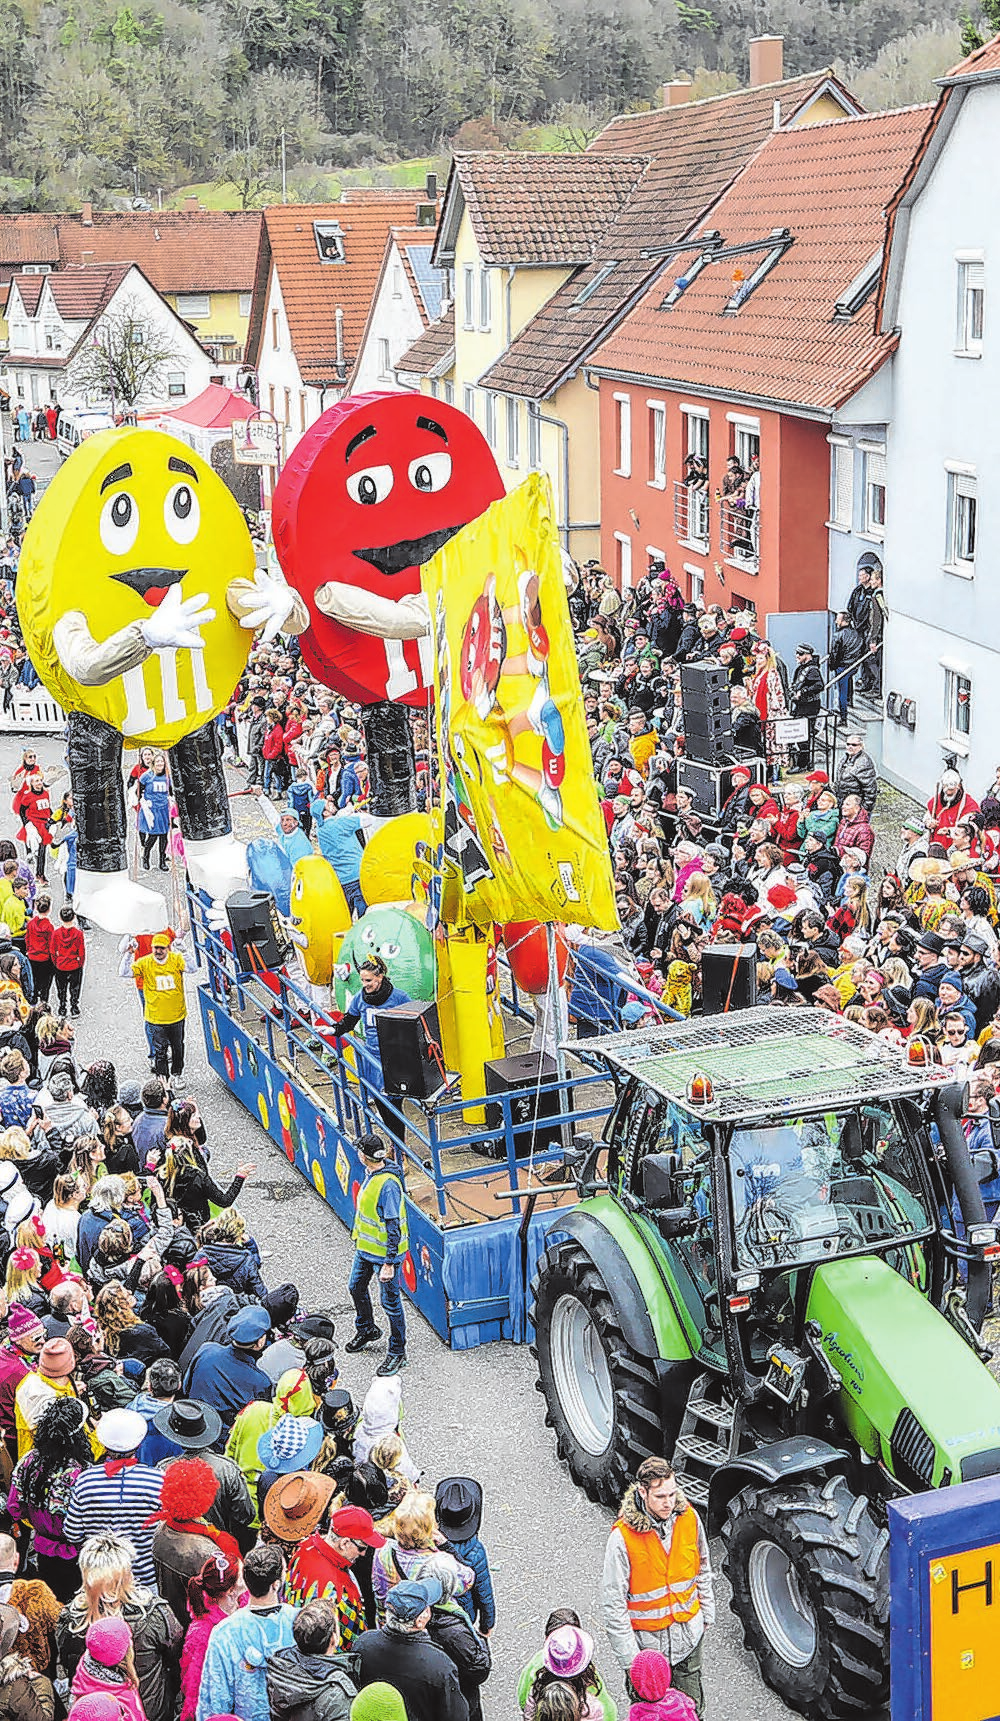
(914, 1395)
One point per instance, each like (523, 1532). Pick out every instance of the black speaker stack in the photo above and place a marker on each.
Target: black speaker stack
(409, 1043)
(728, 977)
(530, 1111)
(259, 940)
(708, 720)
(712, 785)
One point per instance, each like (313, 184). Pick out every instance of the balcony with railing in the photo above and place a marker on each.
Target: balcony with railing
(691, 515)
(739, 533)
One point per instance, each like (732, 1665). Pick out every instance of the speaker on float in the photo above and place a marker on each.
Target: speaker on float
(728, 977)
(535, 1072)
(409, 1043)
(259, 940)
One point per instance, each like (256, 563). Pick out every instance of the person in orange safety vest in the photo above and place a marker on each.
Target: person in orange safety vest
(657, 1587)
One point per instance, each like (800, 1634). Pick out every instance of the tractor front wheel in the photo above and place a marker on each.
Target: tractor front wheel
(602, 1399)
(808, 1569)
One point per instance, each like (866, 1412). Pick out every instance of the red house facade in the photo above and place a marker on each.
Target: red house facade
(758, 329)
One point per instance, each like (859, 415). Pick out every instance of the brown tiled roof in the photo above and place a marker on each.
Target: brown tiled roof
(28, 239)
(432, 351)
(977, 64)
(178, 251)
(828, 185)
(312, 291)
(82, 291)
(696, 149)
(543, 209)
(30, 289)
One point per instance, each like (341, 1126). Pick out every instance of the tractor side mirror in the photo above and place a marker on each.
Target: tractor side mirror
(662, 1181)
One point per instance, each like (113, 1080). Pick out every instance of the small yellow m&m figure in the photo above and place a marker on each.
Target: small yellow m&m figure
(137, 593)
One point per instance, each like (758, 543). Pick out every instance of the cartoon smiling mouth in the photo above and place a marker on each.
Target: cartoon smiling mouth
(152, 584)
(412, 553)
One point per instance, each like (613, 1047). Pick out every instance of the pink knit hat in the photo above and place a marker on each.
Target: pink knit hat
(650, 1675)
(22, 1322)
(109, 1641)
(96, 1706)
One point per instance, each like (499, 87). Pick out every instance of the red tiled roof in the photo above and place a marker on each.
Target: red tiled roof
(313, 291)
(829, 185)
(178, 251)
(28, 239)
(977, 64)
(82, 291)
(433, 350)
(696, 149)
(30, 289)
(543, 209)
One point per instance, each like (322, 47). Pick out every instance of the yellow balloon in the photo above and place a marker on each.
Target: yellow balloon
(130, 515)
(319, 915)
(390, 868)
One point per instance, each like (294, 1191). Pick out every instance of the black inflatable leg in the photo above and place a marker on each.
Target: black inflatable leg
(94, 755)
(392, 771)
(199, 784)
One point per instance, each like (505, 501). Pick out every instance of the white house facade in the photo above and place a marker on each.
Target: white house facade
(942, 520)
(407, 299)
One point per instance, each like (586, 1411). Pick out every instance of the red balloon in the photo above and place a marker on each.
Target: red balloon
(372, 491)
(527, 952)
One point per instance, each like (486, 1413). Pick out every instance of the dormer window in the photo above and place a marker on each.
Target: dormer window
(329, 236)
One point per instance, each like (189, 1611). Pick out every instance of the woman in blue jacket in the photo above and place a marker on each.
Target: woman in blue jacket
(154, 810)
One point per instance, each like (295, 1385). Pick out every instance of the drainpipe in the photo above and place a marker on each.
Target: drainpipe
(507, 288)
(569, 525)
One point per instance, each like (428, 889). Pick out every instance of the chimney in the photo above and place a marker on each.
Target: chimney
(767, 57)
(674, 94)
(87, 214)
(191, 203)
(431, 188)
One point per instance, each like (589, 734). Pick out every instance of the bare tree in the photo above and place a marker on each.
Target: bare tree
(125, 358)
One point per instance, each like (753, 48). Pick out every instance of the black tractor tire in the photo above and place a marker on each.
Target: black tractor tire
(840, 1588)
(568, 1290)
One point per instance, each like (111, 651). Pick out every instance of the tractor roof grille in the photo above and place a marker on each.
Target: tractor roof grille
(912, 1451)
(762, 1061)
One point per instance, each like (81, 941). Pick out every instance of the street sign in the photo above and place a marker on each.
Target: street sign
(944, 1603)
(257, 441)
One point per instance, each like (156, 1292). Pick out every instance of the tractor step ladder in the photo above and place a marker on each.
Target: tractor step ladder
(709, 1435)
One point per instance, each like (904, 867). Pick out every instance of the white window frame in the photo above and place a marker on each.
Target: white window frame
(513, 429)
(962, 488)
(490, 425)
(469, 401)
(197, 305)
(384, 356)
(624, 558)
(534, 438)
(657, 444)
(841, 456)
(397, 280)
(176, 384)
(485, 302)
(873, 476)
(971, 275)
(744, 434)
(468, 296)
(246, 304)
(956, 676)
(623, 435)
(449, 390)
(700, 416)
(696, 434)
(697, 577)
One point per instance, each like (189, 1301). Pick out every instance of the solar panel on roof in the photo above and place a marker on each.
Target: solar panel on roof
(429, 281)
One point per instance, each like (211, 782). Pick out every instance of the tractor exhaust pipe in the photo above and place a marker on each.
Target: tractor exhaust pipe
(947, 1111)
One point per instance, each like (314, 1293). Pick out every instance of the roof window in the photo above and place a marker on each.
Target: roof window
(596, 280)
(329, 236)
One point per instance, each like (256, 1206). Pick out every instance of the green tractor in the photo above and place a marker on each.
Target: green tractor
(770, 1290)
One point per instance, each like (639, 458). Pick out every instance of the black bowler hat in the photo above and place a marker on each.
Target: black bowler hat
(189, 1423)
(459, 1502)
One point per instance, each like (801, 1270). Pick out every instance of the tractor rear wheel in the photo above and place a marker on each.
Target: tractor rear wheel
(809, 1573)
(602, 1399)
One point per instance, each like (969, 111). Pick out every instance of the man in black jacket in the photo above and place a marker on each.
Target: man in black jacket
(980, 978)
(846, 651)
(309, 1679)
(402, 1654)
(806, 699)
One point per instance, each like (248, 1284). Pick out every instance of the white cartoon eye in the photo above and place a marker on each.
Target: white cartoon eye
(181, 513)
(367, 935)
(119, 523)
(389, 952)
(430, 472)
(370, 486)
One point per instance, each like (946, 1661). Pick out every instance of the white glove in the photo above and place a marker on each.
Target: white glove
(273, 603)
(176, 621)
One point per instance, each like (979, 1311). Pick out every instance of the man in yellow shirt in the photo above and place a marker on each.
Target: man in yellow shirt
(161, 976)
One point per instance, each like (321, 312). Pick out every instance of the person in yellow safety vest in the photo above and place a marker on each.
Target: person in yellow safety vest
(657, 1587)
(380, 1239)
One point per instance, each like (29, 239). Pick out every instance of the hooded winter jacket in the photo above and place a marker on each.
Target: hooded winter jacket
(451, 1630)
(677, 1641)
(310, 1687)
(237, 1266)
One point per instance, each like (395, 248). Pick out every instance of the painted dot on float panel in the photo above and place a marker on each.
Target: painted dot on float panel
(252, 1057)
(355, 1191)
(317, 1177)
(290, 1097)
(296, 1135)
(320, 1132)
(265, 1116)
(409, 1273)
(288, 1145)
(230, 1067)
(283, 1111)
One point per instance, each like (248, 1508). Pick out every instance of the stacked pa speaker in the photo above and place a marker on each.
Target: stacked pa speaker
(708, 722)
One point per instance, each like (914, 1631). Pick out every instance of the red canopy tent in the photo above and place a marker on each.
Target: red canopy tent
(216, 408)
